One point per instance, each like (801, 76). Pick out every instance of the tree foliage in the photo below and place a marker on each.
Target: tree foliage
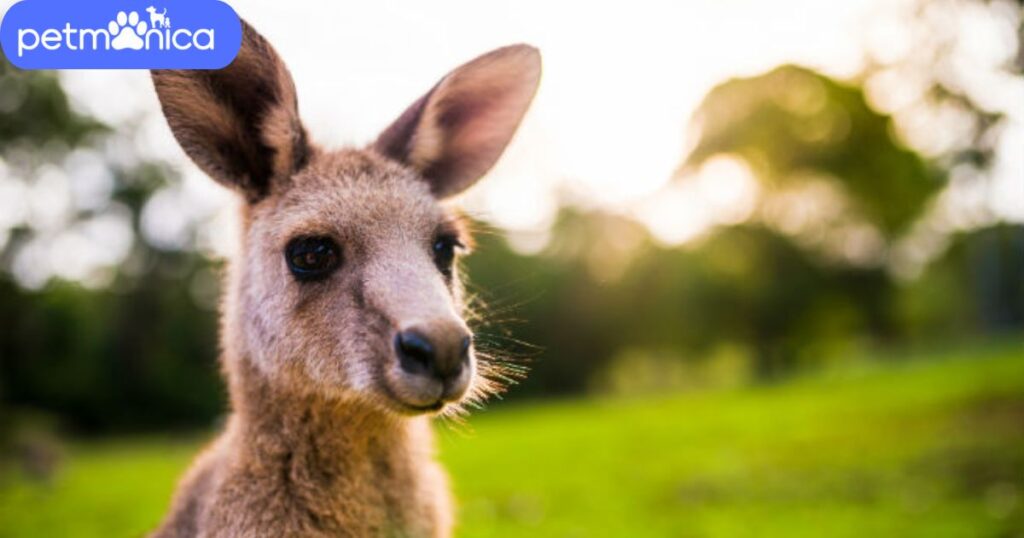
(794, 125)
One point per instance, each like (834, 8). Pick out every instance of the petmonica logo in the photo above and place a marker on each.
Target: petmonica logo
(120, 34)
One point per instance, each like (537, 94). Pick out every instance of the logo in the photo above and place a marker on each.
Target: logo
(112, 34)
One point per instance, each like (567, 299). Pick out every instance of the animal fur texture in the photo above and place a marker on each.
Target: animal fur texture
(328, 435)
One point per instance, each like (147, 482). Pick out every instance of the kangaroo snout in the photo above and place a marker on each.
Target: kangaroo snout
(418, 354)
(435, 360)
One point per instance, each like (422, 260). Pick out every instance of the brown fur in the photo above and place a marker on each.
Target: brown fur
(326, 436)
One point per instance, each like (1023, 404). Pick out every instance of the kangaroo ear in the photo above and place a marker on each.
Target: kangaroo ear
(455, 133)
(240, 124)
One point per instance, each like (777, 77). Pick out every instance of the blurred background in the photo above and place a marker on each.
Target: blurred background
(763, 260)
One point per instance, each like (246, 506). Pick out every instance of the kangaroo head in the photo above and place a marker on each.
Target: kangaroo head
(345, 283)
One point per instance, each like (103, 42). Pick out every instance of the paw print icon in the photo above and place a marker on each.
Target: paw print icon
(127, 31)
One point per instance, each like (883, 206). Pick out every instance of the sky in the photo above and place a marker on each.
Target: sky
(612, 120)
(619, 85)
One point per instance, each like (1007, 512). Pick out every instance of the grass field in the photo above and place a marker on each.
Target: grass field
(929, 448)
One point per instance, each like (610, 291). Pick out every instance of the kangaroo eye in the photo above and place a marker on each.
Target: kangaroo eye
(312, 258)
(444, 253)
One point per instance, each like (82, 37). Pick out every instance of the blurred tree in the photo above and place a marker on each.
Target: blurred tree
(34, 109)
(750, 285)
(793, 126)
(744, 287)
(941, 65)
(838, 183)
(975, 287)
(790, 292)
(137, 353)
(954, 70)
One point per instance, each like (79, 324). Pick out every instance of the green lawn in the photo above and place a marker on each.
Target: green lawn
(913, 448)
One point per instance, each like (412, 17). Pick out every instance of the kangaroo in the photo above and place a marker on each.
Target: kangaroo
(342, 328)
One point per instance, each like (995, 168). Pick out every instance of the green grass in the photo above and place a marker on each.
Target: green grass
(921, 448)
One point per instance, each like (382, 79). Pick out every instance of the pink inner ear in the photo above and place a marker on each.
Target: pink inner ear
(478, 108)
(467, 119)
(474, 131)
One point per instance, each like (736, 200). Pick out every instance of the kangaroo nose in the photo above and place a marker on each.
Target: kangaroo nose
(418, 354)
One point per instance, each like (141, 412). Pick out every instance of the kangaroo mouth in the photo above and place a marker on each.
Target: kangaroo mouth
(405, 406)
(416, 395)
(433, 408)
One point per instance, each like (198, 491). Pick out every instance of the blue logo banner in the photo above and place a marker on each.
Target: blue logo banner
(120, 34)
